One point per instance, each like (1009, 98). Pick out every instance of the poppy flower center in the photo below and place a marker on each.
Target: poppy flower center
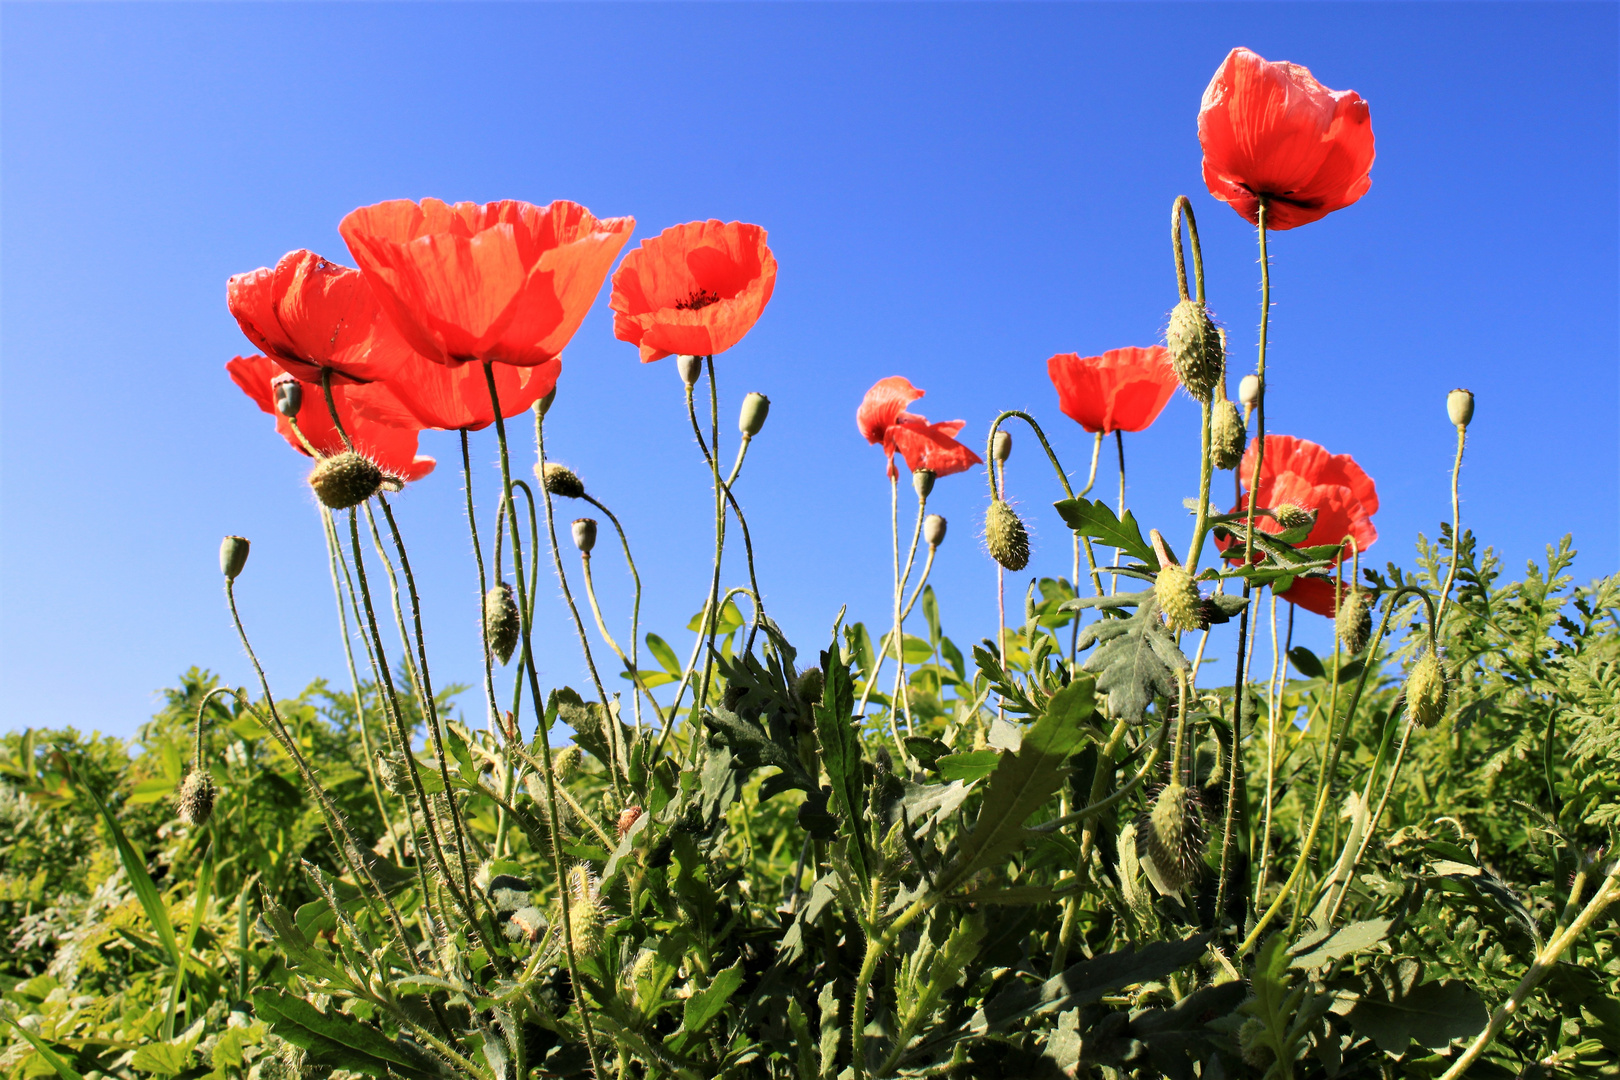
(700, 299)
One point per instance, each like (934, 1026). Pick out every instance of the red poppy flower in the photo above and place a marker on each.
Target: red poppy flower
(1121, 390)
(392, 448)
(693, 290)
(883, 420)
(423, 394)
(1270, 129)
(1312, 594)
(506, 281)
(309, 313)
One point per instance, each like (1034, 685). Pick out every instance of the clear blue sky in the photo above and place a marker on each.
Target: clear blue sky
(953, 192)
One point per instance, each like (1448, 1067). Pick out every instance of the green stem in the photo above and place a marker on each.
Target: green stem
(1456, 527)
(483, 580)
(1260, 369)
(635, 614)
(331, 406)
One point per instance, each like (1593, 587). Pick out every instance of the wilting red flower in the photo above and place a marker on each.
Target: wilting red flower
(392, 448)
(1302, 474)
(506, 281)
(1121, 390)
(1270, 129)
(451, 397)
(308, 313)
(883, 420)
(693, 290)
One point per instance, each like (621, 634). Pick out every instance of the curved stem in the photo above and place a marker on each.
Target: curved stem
(635, 612)
(331, 406)
(990, 456)
(601, 628)
(292, 422)
(1456, 528)
(1183, 205)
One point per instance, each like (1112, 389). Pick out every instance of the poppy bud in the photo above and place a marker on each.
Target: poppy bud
(585, 909)
(544, 404)
(233, 553)
(1195, 349)
(934, 530)
(1460, 406)
(562, 481)
(1178, 598)
(289, 395)
(585, 534)
(345, 480)
(565, 762)
(1354, 621)
(922, 481)
(809, 685)
(1001, 449)
(196, 799)
(1252, 1044)
(755, 408)
(1174, 834)
(501, 621)
(690, 368)
(1249, 391)
(1290, 516)
(1226, 435)
(1005, 536)
(1426, 691)
(627, 819)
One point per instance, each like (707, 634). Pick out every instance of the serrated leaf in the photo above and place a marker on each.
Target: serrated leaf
(1136, 660)
(970, 766)
(1434, 1015)
(164, 1058)
(1096, 520)
(707, 1003)
(1343, 942)
(841, 753)
(334, 1038)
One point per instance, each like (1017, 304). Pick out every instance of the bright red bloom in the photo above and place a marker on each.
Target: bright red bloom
(693, 290)
(505, 281)
(452, 397)
(1270, 129)
(883, 420)
(392, 448)
(1313, 594)
(308, 313)
(1121, 390)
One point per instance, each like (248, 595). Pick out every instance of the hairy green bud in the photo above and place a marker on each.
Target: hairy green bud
(1178, 598)
(501, 621)
(808, 686)
(233, 555)
(1426, 690)
(196, 799)
(565, 762)
(1005, 536)
(562, 481)
(1196, 350)
(1354, 621)
(1174, 836)
(1226, 435)
(1290, 516)
(345, 480)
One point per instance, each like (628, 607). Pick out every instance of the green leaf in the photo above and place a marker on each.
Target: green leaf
(664, 655)
(930, 607)
(52, 1058)
(151, 791)
(1096, 520)
(1395, 1011)
(730, 620)
(1086, 982)
(1136, 660)
(1344, 941)
(1306, 663)
(164, 1058)
(841, 753)
(1022, 782)
(333, 1038)
(706, 1004)
(970, 766)
(916, 649)
(135, 868)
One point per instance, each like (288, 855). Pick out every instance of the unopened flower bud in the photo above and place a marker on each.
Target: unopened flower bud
(1196, 350)
(1001, 448)
(1249, 391)
(233, 553)
(196, 799)
(755, 408)
(934, 530)
(922, 481)
(1174, 836)
(345, 480)
(809, 685)
(1290, 516)
(562, 481)
(544, 404)
(1460, 406)
(585, 534)
(690, 368)
(289, 395)
(501, 621)
(1178, 598)
(1426, 690)
(565, 762)
(1226, 435)
(1354, 621)
(1005, 536)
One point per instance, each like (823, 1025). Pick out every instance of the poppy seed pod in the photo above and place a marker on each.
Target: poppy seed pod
(501, 622)
(1460, 406)
(289, 394)
(934, 530)
(562, 481)
(1005, 536)
(1226, 435)
(345, 480)
(196, 799)
(755, 408)
(922, 482)
(1354, 621)
(1426, 691)
(233, 553)
(1001, 448)
(1174, 836)
(1290, 516)
(1177, 595)
(690, 368)
(585, 534)
(809, 685)
(1249, 391)
(1195, 349)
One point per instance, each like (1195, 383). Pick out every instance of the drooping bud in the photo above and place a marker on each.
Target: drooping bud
(627, 820)
(1460, 406)
(196, 799)
(1174, 836)
(289, 395)
(1005, 536)
(562, 481)
(690, 367)
(1001, 449)
(501, 621)
(584, 909)
(1195, 347)
(922, 482)
(1249, 391)
(1290, 516)
(565, 762)
(1178, 598)
(345, 480)
(585, 534)
(1226, 435)
(1426, 690)
(934, 530)
(233, 553)
(755, 408)
(1354, 621)
(808, 686)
